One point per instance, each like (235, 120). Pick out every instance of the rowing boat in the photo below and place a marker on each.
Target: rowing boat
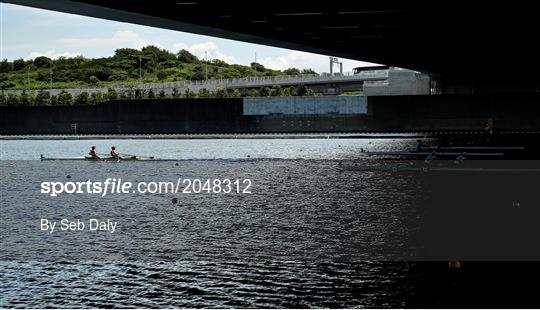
(88, 158)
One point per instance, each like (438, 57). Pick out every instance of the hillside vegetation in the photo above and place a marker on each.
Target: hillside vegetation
(126, 67)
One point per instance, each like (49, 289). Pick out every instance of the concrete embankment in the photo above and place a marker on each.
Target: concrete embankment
(332, 135)
(275, 115)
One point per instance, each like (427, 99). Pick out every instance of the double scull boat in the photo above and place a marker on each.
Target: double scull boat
(109, 158)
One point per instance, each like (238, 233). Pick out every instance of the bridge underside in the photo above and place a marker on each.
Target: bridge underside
(453, 40)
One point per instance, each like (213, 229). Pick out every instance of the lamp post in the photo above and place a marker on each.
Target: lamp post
(50, 74)
(206, 65)
(140, 70)
(28, 77)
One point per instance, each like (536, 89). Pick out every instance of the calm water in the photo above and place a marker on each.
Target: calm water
(205, 148)
(300, 239)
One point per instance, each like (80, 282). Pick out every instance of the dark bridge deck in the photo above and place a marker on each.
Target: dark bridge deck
(458, 39)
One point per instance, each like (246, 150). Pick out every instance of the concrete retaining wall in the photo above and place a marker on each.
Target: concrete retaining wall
(164, 116)
(385, 113)
(305, 105)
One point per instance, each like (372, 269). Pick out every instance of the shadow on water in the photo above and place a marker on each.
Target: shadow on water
(308, 236)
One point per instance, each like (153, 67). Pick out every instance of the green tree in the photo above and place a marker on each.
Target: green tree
(175, 93)
(221, 92)
(301, 90)
(112, 94)
(257, 67)
(65, 98)
(54, 100)
(18, 64)
(264, 91)
(119, 76)
(126, 58)
(12, 99)
(219, 63)
(139, 94)
(122, 95)
(162, 94)
(93, 80)
(151, 94)
(292, 71)
(98, 71)
(161, 75)
(123, 67)
(43, 62)
(96, 98)
(82, 98)
(187, 57)
(25, 98)
(275, 90)
(308, 71)
(245, 92)
(3, 99)
(129, 94)
(156, 55)
(42, 98)
(198, 73)
(5, 66)
(236, 93)
(203, 93)
(289, 91)
(189, 94)
(5, 83)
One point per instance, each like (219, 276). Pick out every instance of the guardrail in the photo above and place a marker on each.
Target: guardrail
(248, 82)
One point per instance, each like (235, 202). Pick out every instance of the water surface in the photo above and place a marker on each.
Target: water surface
(296, 241)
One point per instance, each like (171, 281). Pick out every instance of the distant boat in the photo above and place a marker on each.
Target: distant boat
(89, 158)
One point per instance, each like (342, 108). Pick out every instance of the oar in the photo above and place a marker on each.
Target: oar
(141, 156)
(105, 155)
(129, 155)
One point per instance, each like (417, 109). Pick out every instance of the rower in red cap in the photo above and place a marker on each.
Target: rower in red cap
(93, 152)
(114, 153)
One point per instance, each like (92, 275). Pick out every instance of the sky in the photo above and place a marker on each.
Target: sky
(29, 32)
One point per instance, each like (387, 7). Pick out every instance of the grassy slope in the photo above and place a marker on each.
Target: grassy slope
(121, 69)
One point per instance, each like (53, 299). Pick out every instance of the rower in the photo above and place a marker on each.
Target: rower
(93, 152)
(114, 152)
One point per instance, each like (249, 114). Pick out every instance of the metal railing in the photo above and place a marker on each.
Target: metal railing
(247, 82)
